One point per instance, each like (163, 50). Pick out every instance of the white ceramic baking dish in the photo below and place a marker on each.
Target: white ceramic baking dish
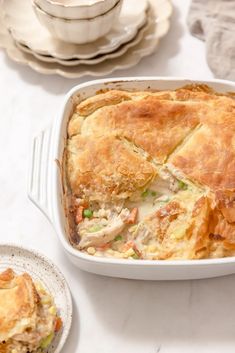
(45, 189)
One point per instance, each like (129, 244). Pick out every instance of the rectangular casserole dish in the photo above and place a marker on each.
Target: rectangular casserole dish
(46, 190)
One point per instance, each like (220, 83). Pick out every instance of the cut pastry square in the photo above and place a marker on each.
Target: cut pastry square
(208, 157)
(106, 168)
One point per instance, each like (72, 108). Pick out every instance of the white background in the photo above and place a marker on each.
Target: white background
(110, 315)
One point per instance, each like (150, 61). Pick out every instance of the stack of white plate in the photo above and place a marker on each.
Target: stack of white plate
(135, 34)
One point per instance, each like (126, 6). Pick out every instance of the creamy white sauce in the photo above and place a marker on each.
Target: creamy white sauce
(158, 193)
(144, 207)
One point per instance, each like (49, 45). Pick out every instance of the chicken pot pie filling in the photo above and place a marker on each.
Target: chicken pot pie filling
(28, 315)
(145, 178)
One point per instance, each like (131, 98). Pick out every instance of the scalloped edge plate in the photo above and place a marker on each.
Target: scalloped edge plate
(93, 61)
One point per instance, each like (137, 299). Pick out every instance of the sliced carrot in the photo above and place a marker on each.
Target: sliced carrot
(79, 214)
(85, 203)
(137, 251)
(58, 324)
(133, 216)
(128, 245)
(104, 247)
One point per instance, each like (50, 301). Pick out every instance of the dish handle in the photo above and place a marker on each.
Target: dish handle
(39, 181)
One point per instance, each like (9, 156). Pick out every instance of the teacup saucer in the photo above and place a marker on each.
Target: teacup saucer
(93, 61)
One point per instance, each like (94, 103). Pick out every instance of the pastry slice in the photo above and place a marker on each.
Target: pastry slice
(28, 317)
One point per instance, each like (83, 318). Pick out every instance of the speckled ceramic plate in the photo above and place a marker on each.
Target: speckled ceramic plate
(41, 269)
(26, 29)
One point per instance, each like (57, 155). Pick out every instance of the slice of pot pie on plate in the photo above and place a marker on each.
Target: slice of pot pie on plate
(151, 175)
(28, 316)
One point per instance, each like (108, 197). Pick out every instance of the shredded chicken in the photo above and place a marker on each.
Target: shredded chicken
(108, 233)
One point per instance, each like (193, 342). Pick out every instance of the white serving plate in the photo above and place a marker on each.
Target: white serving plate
(25, 28)
(42, 270)
(45, 189)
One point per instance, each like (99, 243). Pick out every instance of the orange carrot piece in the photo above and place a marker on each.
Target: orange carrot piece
(85, 203)
(128, 245)
(133, 216)
(58, 324)
(103, 247)
(79, 214)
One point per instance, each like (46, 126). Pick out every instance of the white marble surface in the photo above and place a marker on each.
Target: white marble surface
(110, 315)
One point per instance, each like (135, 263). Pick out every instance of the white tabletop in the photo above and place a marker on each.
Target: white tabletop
(110, 315)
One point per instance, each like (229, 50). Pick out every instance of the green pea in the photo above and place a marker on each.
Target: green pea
(88, 213)
(182, 185)
(118, 237)
(145, 193)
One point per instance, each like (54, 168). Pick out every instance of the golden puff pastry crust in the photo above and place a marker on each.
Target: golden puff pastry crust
(157, 152)
(106, 167)
(208, 157)
(138, 121)
(4, 348)
(18, 303)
